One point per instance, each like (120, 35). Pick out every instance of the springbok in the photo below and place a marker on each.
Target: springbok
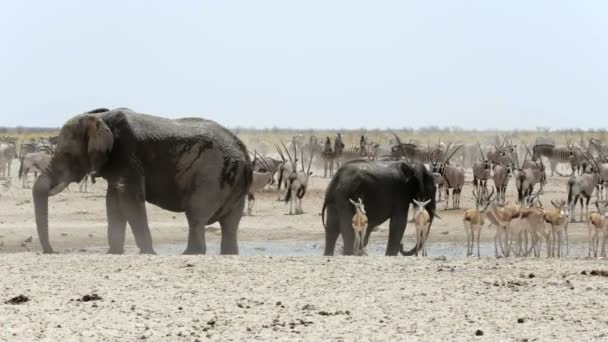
(422, 219)
(557, 217)
(359, 226)
(598, 229)
(501, 217)
(473, 218)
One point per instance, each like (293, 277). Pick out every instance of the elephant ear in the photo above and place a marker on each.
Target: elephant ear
(99, 141)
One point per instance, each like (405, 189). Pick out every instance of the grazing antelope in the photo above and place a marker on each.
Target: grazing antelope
(422, 220)
(298, 182)
(473, 219)
(453, 177)
(557, 217)
(598, 229)
(359, 226)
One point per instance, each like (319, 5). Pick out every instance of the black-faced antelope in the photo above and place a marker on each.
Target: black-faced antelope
(259, 181)
(557, 218)
(423, 222)
(359, 226)
(501, 177)
(286, 168)
(298, 182)
(598, 229)
(473, 219)
(582, 187)
(527, 175)
(453, 177)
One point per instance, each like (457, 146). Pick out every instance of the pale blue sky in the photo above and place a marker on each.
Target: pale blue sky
(319, 64)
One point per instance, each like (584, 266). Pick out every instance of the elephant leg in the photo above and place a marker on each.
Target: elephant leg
(332, 230)
(200, 211)
(133, 206)
(230, 226)
(396, 231)
(117, 222)
(348, 236)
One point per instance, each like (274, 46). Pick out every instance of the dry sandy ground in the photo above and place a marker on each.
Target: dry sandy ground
(313, 298)
(184, 298)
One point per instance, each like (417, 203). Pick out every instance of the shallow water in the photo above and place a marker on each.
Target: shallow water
(302, 248)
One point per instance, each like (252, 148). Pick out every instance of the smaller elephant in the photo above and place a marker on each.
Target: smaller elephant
(387, 188)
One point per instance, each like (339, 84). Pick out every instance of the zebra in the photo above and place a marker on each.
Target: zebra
(560, 154)
(36, 161)
(8, 152)
(338, 150)
(328, 157)
(413, 152)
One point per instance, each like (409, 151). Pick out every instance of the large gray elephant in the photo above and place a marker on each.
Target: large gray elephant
(192, 165)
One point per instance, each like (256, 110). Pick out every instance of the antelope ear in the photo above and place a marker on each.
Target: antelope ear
(98, 139)
(351, 201)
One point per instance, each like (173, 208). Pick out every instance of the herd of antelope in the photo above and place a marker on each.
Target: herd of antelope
(521, 226)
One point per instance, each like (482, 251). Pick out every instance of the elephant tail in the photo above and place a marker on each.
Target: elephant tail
(323, 212)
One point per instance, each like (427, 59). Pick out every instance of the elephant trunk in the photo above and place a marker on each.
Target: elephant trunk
(45, 187)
